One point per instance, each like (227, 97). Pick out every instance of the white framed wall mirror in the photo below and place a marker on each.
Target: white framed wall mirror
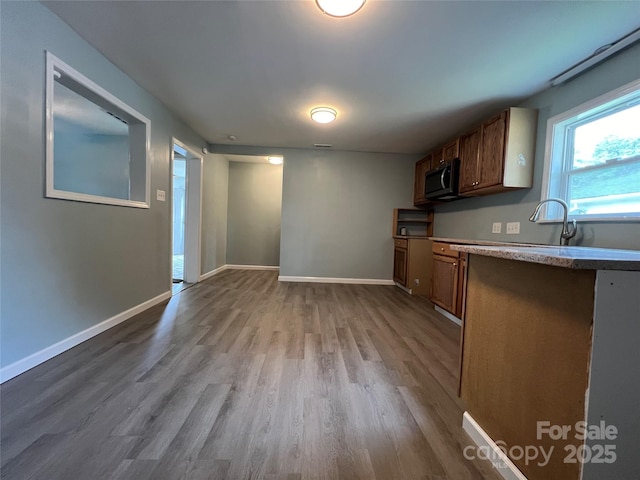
(97, 147)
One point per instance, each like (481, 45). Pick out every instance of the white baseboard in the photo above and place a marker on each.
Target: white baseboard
(402, 287)
(210, 274)
(237, 267)
(252, 267)
(35, 359)
(355, 281)
(449, 316)
(501, 462)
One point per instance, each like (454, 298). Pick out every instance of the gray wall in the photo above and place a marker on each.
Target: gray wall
(255, 208)
(92, 164)
(337, 210)
(66, 266)
(472, 218)
(214, 212)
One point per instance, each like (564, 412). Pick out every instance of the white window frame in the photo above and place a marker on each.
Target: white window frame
(556, 173)
(55, 67)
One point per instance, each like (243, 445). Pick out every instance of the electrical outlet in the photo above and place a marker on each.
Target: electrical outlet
(497, 227)
(160, 195)
(513, 228)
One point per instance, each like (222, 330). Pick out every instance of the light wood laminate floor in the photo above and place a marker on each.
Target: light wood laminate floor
(243, 377)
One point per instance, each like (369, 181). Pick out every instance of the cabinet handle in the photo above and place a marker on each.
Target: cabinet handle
(455, 264)
(441, 249)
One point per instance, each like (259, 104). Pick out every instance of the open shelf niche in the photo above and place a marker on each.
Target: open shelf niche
(418, 223)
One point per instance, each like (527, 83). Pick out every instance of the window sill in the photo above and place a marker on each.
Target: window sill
(619, 218)
(83, 197)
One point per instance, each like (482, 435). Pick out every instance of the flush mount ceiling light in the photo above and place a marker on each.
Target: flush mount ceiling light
(275, 160)
(340, 8)
(323, 114)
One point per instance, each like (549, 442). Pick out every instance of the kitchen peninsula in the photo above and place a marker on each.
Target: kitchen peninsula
(551, 335)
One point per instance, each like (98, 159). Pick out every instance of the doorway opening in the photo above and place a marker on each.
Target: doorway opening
(179, 191)
(186, 195)
(254, 211)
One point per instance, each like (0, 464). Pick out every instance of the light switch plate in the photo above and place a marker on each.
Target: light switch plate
(513, 228)
(497, 227)
(160, 195)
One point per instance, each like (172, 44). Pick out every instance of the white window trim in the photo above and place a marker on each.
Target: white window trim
(54, 64)
(546, 174)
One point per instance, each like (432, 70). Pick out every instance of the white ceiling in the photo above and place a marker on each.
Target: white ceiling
(403, 75)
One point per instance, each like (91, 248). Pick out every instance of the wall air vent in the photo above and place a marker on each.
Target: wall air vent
(322, 145)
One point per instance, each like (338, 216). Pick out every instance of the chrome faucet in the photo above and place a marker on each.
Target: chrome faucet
(567, 231)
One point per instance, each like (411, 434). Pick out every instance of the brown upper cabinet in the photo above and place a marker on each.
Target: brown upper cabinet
(438, 157)
(494, 157)
(422, 167)
(498, 155)
(469, 159)
(444, 153)
(451, 150)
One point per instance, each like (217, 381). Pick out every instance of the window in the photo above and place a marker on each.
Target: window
(97, 146)
(592, 159)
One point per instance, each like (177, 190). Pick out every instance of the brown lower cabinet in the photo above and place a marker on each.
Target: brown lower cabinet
(412, 264)
(448, 281)
(400, 265)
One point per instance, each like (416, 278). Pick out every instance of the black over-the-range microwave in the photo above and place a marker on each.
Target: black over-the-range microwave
(441, 183)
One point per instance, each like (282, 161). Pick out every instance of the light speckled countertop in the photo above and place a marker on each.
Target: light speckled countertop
(466, 241)
(585, 258)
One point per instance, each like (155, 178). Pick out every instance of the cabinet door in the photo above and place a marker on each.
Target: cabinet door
(422, 167)
(444, 288)
(400, 265)
(492, 151)
(469, 158)
(451, 150)
(438, 157)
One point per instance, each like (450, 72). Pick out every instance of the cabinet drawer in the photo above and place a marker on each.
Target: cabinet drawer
(440, 248)
(400, 242)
